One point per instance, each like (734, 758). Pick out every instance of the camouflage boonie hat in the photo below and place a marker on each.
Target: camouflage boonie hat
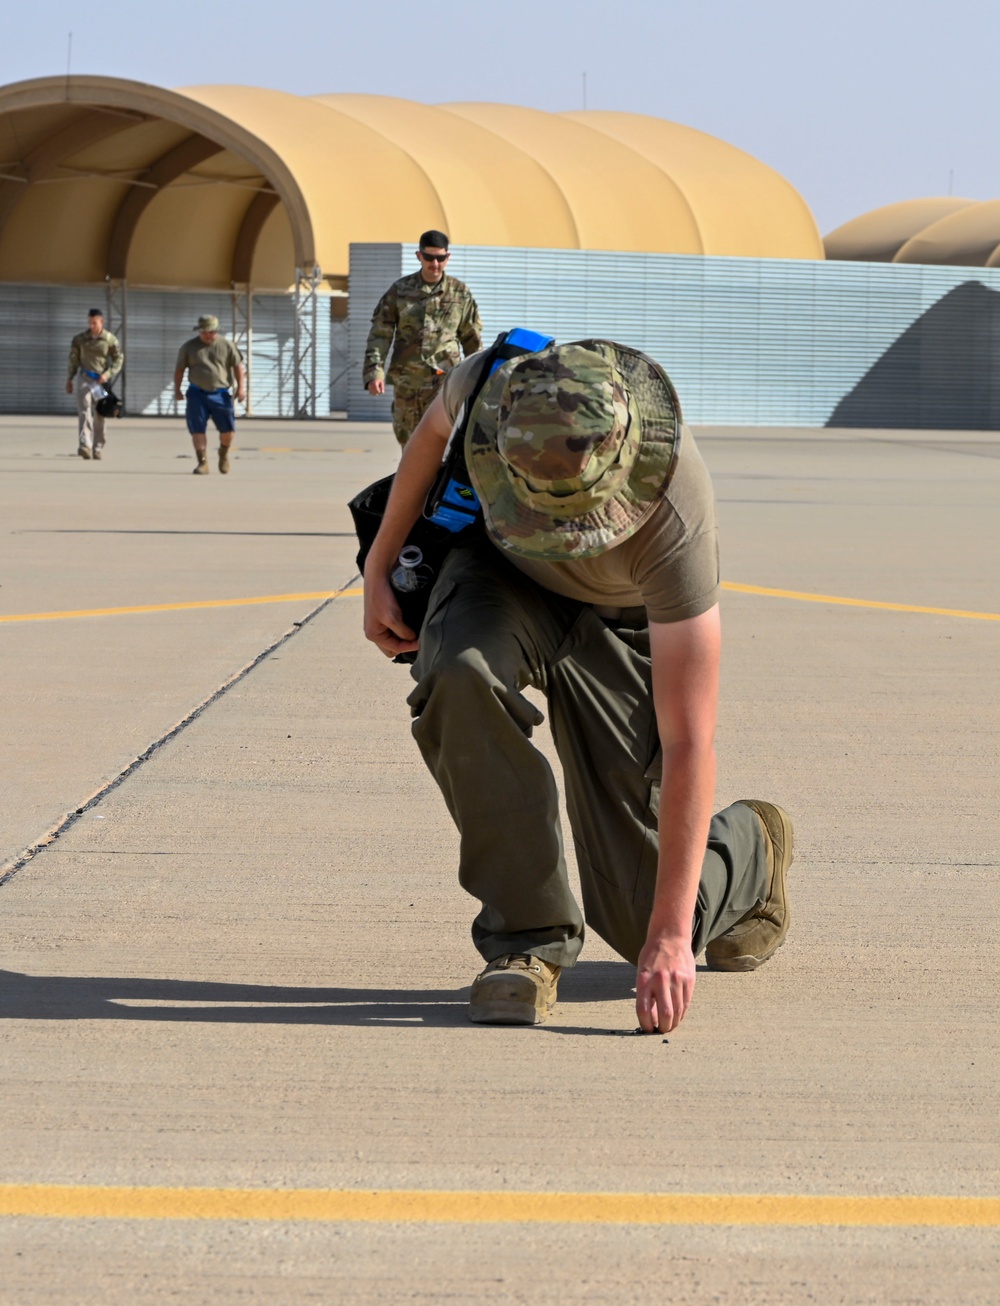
(209, 322)
(570, 449)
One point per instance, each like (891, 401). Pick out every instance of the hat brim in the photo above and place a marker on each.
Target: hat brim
(518, 528)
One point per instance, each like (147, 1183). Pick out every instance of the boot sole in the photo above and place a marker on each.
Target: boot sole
(778, 825)
(749, 962)
(505, 1013)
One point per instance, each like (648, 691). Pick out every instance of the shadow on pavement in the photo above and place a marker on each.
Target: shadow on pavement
(74, 997)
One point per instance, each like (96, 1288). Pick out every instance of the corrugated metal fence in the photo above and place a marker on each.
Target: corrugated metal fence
(747, 341)
(37, 324)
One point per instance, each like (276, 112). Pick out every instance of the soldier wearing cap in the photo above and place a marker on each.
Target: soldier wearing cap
(429, 319)
(595, 580)
(213, 364)
(95, 359)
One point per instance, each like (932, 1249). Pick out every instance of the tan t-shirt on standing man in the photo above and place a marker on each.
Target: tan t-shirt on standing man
(209, 367)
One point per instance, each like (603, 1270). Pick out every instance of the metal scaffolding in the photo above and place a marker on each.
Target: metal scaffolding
(306, 341)
(243, 333)
(117, 320)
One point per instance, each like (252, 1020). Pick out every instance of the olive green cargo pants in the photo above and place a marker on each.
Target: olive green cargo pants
(489, 633)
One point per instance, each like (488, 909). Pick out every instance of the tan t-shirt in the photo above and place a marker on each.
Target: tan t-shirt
(670, 565)
(209, 367)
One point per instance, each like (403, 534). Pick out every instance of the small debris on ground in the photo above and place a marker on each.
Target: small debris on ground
(639, 1030)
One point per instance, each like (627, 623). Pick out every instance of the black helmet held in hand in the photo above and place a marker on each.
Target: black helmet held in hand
(110, 405)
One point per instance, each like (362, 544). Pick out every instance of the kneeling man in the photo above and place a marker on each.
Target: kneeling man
(595, 580)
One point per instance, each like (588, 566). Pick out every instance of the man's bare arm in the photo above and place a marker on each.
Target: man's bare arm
(685, 657)
(178, 378)
(239, 371)
(419, 465)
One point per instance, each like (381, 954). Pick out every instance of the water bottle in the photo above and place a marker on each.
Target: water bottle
(410, 573)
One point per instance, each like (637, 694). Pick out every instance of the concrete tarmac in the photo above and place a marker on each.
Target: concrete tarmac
(245, 965)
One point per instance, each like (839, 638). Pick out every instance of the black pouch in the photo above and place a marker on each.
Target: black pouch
(434, 542)
(451, 498)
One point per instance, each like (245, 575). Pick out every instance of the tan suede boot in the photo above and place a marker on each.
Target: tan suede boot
(516, 989)
(748, 944)
(223, 458)
(203, 468)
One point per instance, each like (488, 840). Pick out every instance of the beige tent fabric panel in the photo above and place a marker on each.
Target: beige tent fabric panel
(23, 133)
(491, 192)
(274, 255)
(130, 149)
(619, 200)
(967, 238)
(357, 184)
(186, 237)
(128, 100)
(879, 235)
(59, 232)
(740, 206)
(226, 167)
(87, 140)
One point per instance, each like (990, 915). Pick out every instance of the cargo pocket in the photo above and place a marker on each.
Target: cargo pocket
(430, 636)
(654, 774)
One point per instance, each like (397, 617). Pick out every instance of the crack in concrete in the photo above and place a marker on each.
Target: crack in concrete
(11, 868)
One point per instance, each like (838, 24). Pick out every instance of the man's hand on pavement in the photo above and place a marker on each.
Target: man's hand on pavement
(664, 983)
(384, 624)
(376, 387)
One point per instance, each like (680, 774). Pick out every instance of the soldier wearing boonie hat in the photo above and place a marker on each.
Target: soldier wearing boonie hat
(595, 581)
(213, 364)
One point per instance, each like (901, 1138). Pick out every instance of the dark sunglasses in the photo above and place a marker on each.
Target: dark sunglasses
(434, 258)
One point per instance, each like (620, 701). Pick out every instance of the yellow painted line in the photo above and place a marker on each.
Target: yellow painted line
(180, 607)
(417, 1206)
(318, 595)
(857, 603)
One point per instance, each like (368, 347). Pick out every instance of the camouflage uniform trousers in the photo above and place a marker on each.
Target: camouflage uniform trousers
(409, 403)
(490, 631)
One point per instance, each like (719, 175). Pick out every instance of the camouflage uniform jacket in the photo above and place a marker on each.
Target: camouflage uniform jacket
(98, 354)
(429, 323)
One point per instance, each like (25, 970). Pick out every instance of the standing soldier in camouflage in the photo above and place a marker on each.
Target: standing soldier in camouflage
(95, 359)
(434, 319)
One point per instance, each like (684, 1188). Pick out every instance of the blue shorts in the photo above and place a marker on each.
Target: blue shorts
(205, 404)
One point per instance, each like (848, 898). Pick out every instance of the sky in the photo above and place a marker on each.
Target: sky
(858, 104)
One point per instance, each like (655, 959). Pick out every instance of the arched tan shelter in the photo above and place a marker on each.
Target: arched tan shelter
(104, 178)
(942, 230)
